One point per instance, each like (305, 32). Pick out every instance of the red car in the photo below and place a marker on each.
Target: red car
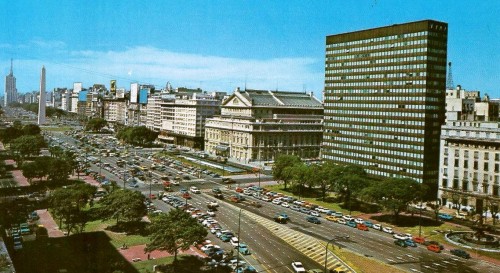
(434, 248)
(238, 189)
(362, 227)
(152, 196)
(419, 240)
(186, 195)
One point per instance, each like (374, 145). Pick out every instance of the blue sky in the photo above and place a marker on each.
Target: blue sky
(220, 45)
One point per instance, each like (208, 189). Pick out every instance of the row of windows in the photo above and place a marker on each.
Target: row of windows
(379, 39)
(388, 159)
(383, 83)
(391, 53)
(380, 143)
(373, 150)
(379, 46)
(350, 114)
(373, 135)
(407, 67)
(414, 91)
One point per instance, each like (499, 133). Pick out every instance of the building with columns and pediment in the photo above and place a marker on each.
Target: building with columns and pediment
(258, 125)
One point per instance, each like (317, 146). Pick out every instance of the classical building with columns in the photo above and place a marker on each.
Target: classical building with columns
(258, 125)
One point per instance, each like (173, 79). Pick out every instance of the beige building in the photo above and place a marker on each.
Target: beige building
(469, 159)
(258, 125)
(115, 110)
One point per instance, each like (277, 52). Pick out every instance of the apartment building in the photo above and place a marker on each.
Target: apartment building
(258, 125)
(470, 152)
(384, 99)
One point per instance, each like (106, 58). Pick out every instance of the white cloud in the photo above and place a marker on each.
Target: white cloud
(158, 66)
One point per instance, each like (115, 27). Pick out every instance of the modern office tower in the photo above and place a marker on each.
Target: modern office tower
(10, 87)
(42, 101)
(384, 99)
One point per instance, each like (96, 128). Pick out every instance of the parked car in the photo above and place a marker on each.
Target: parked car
(234, 242)
(419, 240)
(461, 215)
(410, 242)
(331, 218)
(244, 249)
(341, 221)
(377, 226)
(368, 224)
(401, 236)
(428, 243)
(351, 224)
(362, 227)
(388, 230)
(460, 253)
(445, 216)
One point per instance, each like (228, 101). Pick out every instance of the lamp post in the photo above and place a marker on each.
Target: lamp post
(326, 253)
(238, 247)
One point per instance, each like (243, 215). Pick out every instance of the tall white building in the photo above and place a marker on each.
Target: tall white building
(42, 101)
(469, 152)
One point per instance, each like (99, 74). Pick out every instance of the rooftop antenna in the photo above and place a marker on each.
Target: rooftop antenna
(246, 82)
(449, 80)
(11, 73)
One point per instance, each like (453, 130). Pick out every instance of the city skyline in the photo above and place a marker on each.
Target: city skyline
(222, 45)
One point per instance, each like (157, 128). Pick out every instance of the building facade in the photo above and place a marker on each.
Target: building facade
(384, 99)
(10, 87)
(470, 152)
(258, 125)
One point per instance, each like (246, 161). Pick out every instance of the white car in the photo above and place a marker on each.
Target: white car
(194, 189)
(298, 267)
(234, 242)
(377, 226)
(174, 182)
(211, 213)
(212, 204)
(401, 236)
(347, 217)
(359, 221)
(285, 205)
(341, 221)
(276, 201)
(314, 213)
(388, 230)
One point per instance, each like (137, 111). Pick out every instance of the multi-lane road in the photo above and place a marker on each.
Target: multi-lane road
(274, 253)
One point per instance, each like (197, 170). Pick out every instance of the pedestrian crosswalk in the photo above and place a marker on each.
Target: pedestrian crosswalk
(310, 246)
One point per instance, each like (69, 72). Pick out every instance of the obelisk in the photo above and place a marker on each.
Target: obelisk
(41, 101)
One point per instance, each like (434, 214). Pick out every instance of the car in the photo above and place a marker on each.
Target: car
(368, 224)
(18, 245)
(280, 219)
(234, 242)
(362, 227)
(419, 240)
(400, 243)
(298, 267)
(284, 215)
(212, 204)
(276, 201)
(347, 217)
(133, 185)
(377, 227)
(312, 219)
(219, 196)
(186, 196)
(401, 236)
(434, 248)
(239, 190)
(428, 243)
(152, 196)
(211, 213)
(331, 218)
(285, 205)
(359, 220)
(216, 190)
(295, 207)
(388, 230)
(194, 189)
(255, 204)
(244, 249)
(445, 216)
(351, 224)
(314, 213)
(410, 242)
(226, 237)
(338, 214)
(341, 221)
(460, 253)
(305, 210)
(34, 216)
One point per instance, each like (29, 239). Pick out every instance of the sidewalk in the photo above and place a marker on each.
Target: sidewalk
(48, 222)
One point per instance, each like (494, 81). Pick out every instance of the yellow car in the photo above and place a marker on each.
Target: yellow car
(331, 218)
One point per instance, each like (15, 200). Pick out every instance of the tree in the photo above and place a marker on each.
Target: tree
(395, 193)
(28, 145)
(58, 168)
(31, 129)
(56, 151)
(123, 204)
(95, 124)
(34, 169)
(323, 176)
(68, 204)
(173, 231)
(280, 164)
(350, 180)
(138, 135)
(10, 133)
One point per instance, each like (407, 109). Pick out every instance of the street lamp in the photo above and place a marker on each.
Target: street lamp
(238, 247)
(326, 252)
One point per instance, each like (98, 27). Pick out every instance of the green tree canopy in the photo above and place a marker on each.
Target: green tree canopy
(31, 129)
(28, 145)
(95, 124)
(280, 171)
(68, 205)
(395, 193)
(138, 135)
(173, 231)
(124, 205)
